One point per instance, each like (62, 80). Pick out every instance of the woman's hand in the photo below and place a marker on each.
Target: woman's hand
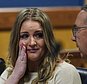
(21, 63)
(20, 66)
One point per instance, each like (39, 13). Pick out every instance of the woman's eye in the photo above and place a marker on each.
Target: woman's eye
(24, 36)
(39, 35)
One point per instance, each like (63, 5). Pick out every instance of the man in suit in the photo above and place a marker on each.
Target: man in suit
(79, 31)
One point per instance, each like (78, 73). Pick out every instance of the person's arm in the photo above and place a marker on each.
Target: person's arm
(20, 67)
(13, 79)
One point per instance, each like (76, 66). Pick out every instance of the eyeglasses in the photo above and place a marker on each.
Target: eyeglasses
(75, 29)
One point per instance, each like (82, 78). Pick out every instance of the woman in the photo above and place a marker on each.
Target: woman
(34, 53)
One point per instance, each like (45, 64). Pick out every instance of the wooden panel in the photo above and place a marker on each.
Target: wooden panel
(63, 17)
(7, 20)
(75, 58)
(60, 17)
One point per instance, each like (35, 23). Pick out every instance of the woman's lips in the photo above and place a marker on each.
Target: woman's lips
(32, 50)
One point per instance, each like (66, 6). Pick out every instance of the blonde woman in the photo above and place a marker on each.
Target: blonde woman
(34, 53)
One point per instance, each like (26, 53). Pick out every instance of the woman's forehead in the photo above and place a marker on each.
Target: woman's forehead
(31, 24)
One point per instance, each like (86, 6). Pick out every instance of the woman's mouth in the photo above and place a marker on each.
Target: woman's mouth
(32, 50)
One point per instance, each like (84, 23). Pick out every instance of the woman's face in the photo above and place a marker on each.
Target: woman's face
(31, 34)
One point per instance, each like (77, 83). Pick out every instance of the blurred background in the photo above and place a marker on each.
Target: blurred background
(62, 14)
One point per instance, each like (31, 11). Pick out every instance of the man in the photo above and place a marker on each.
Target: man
(79, 31)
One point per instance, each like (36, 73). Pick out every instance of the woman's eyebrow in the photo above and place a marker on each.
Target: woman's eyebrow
(23, 32)
(39, 31)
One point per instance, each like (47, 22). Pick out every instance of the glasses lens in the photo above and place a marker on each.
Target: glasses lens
(74, 30)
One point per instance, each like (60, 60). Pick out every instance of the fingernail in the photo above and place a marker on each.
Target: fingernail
(24, 47)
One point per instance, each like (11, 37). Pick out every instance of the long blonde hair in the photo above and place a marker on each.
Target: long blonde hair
(51, 57)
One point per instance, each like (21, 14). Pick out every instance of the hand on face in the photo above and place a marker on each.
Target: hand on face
(21, 63)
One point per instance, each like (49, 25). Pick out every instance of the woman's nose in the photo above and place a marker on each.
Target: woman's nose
(32, 41)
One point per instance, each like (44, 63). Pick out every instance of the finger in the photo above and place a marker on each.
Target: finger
(23, 53)
(21, 45)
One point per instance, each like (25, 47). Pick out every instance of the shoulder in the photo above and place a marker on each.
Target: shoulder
(64, 66)
(4, 75)
(67, 73)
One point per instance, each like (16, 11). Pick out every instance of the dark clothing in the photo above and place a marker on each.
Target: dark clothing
(2, 65)
(85, 81)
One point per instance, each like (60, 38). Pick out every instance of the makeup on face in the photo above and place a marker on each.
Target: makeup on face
(31, 34)
(37, 35)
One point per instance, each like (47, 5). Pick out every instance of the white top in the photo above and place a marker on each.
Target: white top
(64, 73)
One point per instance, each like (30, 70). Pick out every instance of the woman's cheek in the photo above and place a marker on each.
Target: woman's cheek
(22, 42)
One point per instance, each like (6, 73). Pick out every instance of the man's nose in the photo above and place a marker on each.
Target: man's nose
(73, 38)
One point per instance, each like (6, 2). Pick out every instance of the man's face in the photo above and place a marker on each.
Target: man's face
(80, 35)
